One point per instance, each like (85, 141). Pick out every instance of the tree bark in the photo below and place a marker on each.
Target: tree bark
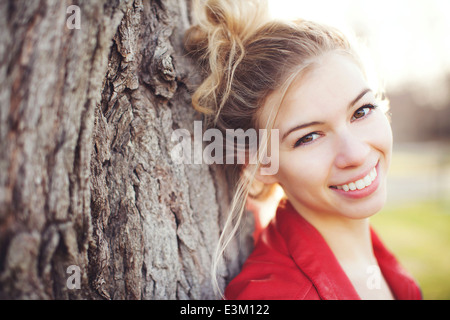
(86, 176)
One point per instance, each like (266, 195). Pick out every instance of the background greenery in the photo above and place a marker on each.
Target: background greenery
(415, 223)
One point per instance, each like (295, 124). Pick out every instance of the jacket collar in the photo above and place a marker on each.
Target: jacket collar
(316, 260)
(402, 284)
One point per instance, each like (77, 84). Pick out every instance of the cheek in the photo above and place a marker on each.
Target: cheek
(305, 172)
(382, 136)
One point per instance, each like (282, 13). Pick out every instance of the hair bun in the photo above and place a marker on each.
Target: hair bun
(240, 18)
(221, 22)
(217, 39)
(196, 41)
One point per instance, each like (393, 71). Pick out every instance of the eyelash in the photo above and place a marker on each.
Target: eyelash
(369, 106)
(366, 106)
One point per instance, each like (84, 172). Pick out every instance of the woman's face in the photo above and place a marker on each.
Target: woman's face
(335, 142)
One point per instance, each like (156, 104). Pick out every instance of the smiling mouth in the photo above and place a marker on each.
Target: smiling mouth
(359, 184)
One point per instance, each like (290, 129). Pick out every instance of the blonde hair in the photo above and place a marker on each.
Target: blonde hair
(245, 56)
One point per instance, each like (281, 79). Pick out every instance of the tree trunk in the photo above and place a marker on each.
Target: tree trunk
(87, 184)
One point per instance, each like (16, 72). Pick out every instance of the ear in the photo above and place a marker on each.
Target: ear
(265, 178)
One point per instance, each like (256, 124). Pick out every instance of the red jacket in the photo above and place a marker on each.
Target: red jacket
(291, 261)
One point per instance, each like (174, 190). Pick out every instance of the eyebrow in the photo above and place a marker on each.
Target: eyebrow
(315, 123)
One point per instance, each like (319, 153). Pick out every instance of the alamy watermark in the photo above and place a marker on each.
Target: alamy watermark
(235, 147)
(74, 20)
(74, 280)
(374, 280)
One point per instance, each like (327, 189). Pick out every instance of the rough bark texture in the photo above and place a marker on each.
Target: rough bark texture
(86, 177)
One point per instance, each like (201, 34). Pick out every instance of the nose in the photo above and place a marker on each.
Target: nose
(352, 150)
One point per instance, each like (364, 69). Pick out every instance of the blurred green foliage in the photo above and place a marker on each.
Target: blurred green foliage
(418, 233)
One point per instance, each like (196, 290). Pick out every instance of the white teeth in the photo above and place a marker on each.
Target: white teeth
(373, 174)
(367, 181)
(360, 184)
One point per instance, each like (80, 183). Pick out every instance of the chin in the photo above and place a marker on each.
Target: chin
(367, 208)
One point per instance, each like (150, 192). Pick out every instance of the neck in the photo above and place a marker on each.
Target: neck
(349, 239)
(351, 243)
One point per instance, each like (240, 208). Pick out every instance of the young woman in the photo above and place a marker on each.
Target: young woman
(305, 82)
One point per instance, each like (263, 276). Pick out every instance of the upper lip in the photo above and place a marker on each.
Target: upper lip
(358, 177)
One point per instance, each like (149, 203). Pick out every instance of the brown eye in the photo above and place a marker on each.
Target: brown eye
(362, 112)
(307, 139)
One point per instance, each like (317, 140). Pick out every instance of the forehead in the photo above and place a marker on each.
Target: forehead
(331, 83)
